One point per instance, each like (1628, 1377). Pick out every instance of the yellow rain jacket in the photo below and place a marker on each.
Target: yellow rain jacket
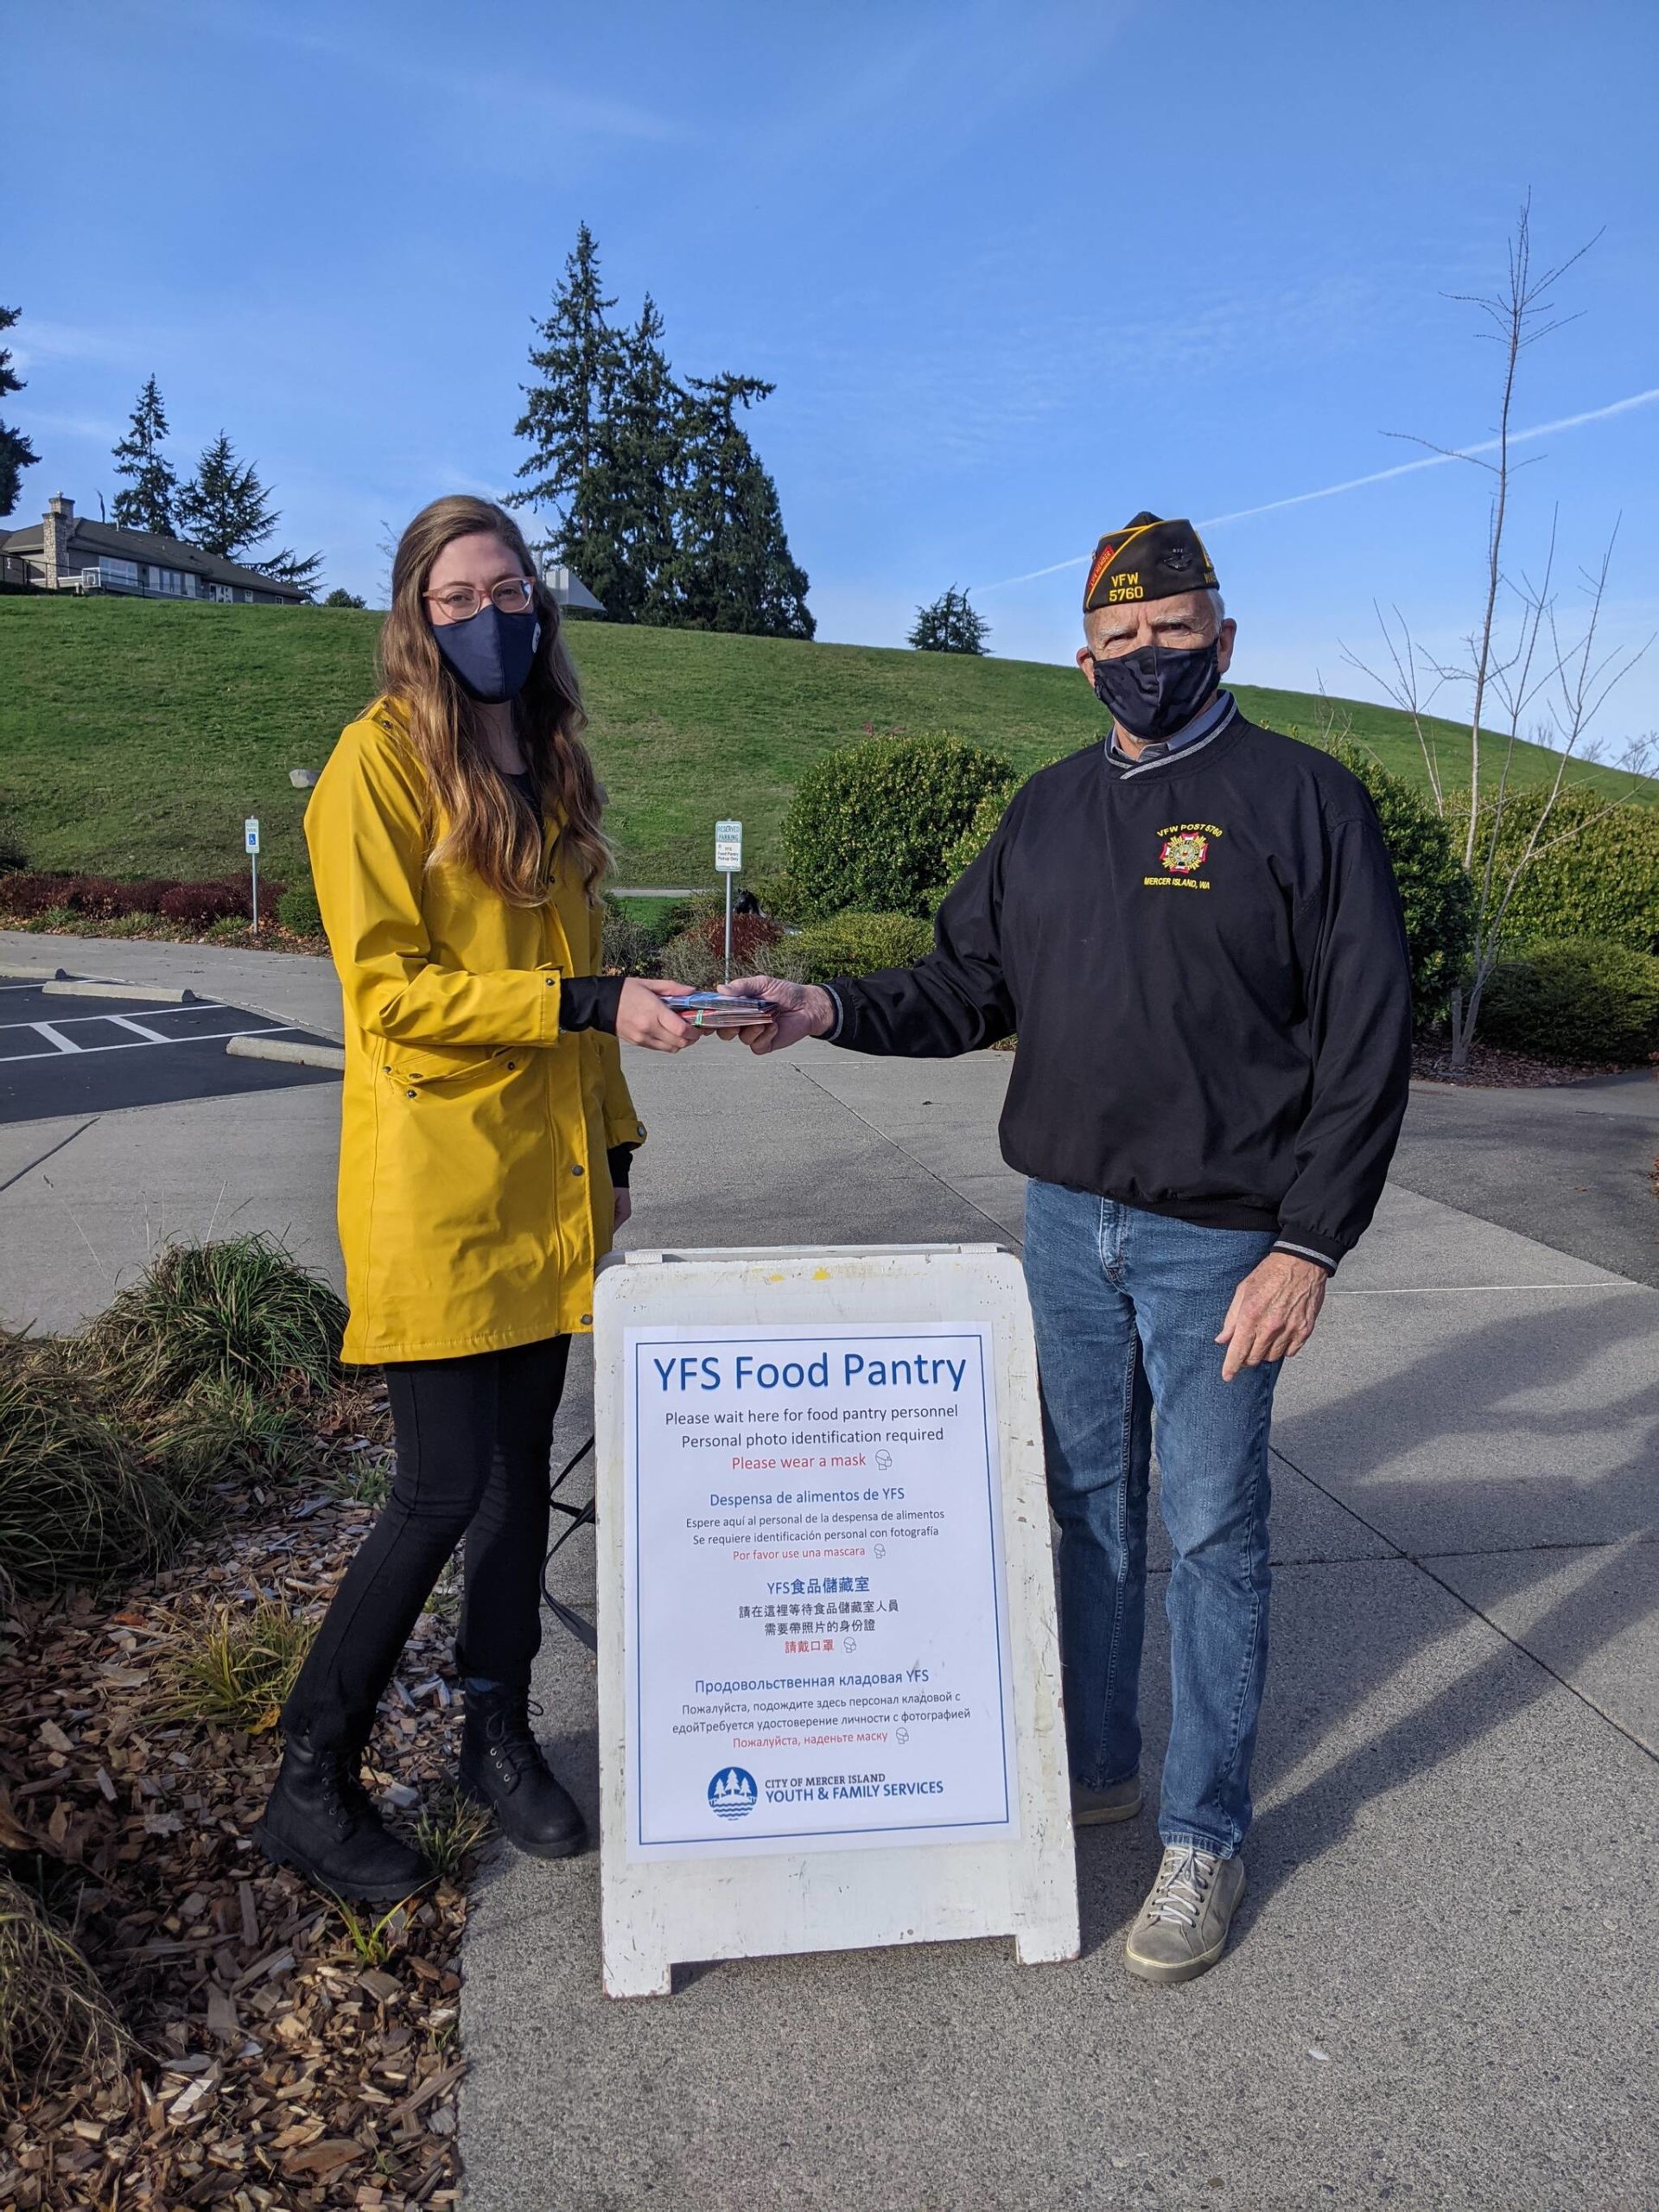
(475, 1193)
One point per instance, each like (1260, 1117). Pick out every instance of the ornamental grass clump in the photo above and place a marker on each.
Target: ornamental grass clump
(58, 2029)
(240, 1314)
(223, 1435)
(233, 1668)
(77, 1501)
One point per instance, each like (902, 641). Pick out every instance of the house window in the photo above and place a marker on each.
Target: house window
(119, 575)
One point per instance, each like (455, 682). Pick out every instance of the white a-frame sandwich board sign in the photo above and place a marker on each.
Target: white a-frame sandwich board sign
(828, 1683)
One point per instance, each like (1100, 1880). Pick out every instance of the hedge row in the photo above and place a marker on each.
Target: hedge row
(28, 893)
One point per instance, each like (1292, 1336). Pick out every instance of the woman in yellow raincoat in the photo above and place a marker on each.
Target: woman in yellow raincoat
(486, 1135)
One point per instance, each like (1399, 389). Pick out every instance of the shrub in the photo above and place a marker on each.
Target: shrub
(628, 947)
(688, 959)
(1576, 999)
(58, 2031)
(12, 856)
(981, 828)
(31, 892)
(778, 894)
(76, 1503)
(700, 950)
(297, 909)
(1595, 873)
(239, 1313)
(1434, 893)
(853, 944)
(870, 825)
(200, 904)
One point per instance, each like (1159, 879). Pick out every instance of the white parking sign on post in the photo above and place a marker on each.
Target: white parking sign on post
(250, 840)
(728, 862)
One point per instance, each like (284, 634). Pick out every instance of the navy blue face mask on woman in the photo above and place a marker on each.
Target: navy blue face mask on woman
(490, 653)
(1154, 692)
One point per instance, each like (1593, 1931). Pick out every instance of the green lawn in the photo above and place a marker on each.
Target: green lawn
(136, 735)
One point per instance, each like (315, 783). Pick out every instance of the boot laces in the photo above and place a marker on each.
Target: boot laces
(1183, 1885)
(511, 1736)
(343, 1794)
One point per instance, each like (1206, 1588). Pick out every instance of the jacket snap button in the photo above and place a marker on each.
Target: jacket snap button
(587, 1320)
(578, 1170)
(409, 1094)
(511, 1065)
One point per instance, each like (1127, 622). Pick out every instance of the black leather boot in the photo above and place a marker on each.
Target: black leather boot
(320, 1821)
(502, 1767)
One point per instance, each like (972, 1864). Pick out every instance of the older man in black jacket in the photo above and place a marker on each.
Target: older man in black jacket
(1195, 930)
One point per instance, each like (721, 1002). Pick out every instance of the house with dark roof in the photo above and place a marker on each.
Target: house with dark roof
(65, 551)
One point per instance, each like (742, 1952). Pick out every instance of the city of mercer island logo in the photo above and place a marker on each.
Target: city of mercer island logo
(732, 1794)
(1185, 852)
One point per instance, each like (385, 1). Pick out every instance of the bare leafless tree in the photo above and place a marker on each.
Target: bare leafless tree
(1522, 659)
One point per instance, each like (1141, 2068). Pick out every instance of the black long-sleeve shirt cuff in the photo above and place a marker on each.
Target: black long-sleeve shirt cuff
(590, 1002)
(620, 1157)
(1321, 1256)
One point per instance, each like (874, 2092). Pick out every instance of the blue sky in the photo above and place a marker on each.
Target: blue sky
(1017, 270)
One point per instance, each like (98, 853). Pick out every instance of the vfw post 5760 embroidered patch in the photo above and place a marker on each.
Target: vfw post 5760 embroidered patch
(1184, 851)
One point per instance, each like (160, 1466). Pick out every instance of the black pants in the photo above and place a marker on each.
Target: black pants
(474, 1437)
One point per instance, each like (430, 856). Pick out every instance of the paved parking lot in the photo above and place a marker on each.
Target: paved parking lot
(70, 1053)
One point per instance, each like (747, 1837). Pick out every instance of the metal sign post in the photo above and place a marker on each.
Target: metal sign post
(251, 840)
(728, 858)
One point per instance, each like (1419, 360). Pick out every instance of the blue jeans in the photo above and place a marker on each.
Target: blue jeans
(1128, 1306)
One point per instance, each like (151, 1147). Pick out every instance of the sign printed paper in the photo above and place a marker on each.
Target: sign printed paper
(815, 1604)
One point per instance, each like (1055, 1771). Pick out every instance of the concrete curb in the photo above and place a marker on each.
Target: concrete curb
(80, 986)
(286, 1050)
(33, 975)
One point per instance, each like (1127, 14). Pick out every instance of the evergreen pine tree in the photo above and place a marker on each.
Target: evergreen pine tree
(579, 366)
(15, 451)
(640, 448)
(660, 503)
(949, 626)
(225, 509)
(732, 568)
(150, 502)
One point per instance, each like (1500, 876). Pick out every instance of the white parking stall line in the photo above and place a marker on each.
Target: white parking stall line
(137, 1045)
(71, 1020)
(54, 1036)
(150, 1036)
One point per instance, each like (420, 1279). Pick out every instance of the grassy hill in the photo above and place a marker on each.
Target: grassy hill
(136, 735)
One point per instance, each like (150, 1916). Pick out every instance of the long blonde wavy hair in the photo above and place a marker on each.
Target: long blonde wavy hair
(491, 832)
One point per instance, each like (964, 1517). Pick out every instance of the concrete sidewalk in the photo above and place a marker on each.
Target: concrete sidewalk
(1440, 1990)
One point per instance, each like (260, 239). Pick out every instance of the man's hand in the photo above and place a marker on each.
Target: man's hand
(803, 1010)
(624, 1205)
(1273, 1313)
(642, 1019)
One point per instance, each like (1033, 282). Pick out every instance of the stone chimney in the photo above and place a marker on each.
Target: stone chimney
(55, 526)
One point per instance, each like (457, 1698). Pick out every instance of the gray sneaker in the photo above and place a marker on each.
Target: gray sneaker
(1119, 1800)
(1181, 1931)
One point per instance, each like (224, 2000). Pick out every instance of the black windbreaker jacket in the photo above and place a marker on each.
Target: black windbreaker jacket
(1205, 962)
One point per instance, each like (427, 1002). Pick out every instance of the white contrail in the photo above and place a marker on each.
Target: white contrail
(1377, 476)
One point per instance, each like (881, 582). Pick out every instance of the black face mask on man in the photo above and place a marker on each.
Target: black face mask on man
(1156, 690)
(490, 653)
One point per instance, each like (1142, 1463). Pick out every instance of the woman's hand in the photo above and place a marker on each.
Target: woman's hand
(624, 1209)
(642, 1019)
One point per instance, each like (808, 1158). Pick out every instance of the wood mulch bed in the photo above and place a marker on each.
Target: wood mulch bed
(1490, 1068)
(271, 2063)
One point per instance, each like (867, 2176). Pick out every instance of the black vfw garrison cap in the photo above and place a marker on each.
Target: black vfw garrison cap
(1147, 559)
